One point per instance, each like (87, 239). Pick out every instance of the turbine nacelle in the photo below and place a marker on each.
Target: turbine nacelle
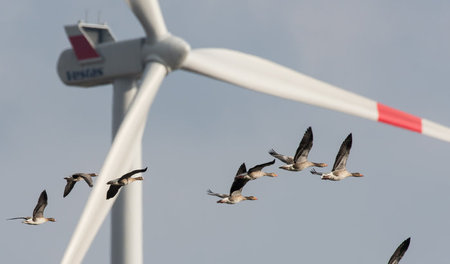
(96, 58)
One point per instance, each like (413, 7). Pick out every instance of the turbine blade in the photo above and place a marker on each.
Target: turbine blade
(264, 76)
(116, 162)
(149, 14)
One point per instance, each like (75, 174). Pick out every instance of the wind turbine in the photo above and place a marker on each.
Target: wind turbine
(96, 58)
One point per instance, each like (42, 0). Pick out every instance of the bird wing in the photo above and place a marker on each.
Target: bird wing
(239, 182)
(216, 194)
(283, 158)
(304, 147)
(242, 169)
(261, 166)
(20, 217)
(69, 187)
(112, 191)
(131, 173)
(87, 178)
(40, 206)
(399, 252)
(341, 158)
(237, 185)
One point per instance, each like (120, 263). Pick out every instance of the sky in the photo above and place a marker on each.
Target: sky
(200, 130)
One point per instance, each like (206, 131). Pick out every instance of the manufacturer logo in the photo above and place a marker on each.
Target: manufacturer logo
(88, 73)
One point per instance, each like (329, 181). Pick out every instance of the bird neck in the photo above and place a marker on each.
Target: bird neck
(320, 164)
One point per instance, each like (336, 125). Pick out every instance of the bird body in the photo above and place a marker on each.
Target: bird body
(38, 212)
(29, 220)
(116, 184)
(339, 170)
(302, 165)
(300, 160)
(87, 177)
(256, 172)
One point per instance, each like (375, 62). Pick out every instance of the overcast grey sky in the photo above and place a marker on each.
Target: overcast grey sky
(200, 130)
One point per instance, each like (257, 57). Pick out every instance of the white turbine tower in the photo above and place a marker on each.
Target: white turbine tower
(96, 58)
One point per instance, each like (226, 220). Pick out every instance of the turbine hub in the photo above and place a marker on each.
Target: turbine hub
(170, 51)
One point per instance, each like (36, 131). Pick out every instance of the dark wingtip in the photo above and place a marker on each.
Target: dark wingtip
(407, 242)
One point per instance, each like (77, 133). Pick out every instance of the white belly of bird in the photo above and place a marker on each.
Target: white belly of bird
(37, 222)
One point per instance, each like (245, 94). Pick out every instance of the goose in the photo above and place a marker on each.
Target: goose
(399, 252)
(300, 160)
(256, 172)
(38, 212)
(87, 177)
(114, 185)
(339, 171)
(235, 195)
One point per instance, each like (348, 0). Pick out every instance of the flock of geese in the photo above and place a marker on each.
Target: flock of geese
(298, 162)
(114, 186)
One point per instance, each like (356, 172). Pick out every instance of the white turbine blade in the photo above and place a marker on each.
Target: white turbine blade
(267, 77)
(149, 14)
(117, 161)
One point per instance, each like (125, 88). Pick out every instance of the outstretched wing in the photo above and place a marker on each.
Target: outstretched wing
(40, 206)
(131, 173)
(216, 194)
(69, 187)
(20, 217)
(242, 169)
(239, 182)
(399, 252)
(286, 159)
(261, 166)
(112, 191)
(237, 185)
(304, 147)
(341, 158)
(87, 178)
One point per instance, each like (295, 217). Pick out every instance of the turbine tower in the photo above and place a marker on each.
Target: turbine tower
(136, 69)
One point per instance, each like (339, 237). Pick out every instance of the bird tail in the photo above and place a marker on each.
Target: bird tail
(313, 171)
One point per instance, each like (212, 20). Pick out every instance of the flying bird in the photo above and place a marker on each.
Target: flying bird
(300, 160)
(235, 195)
(339, 171)
(87, 177)
(38, 212)
(256, 172)
(399, 252)
(122, 181)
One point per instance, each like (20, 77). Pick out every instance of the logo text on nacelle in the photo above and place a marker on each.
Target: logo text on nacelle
(87, 73)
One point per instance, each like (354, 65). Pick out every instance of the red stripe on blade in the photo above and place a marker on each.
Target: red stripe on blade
(398, 118)
(82, 47)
